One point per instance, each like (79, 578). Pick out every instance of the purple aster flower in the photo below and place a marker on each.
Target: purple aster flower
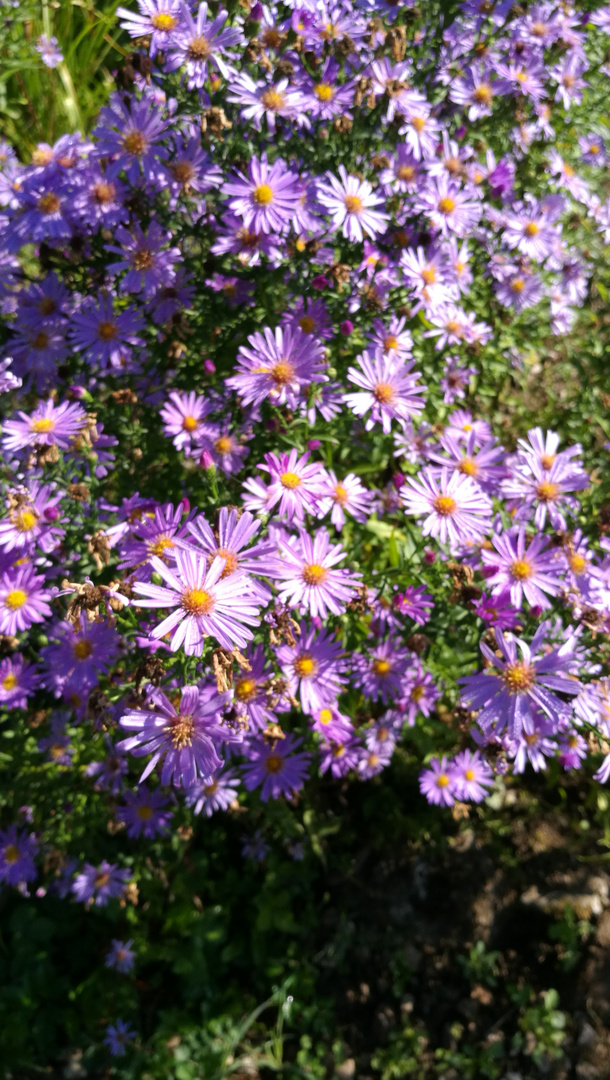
(308, 577)
(461, 425)
(204, 604)
(530, 488)
(276, 767)
(105, 336)
(533, 744)
(227, 450)
(121, 956)
(389, 390)
(471, 775)
(31, 518)
(252, 691)
(77, 656)
(8, 381)
(23, 599)
(448, 208)
(372, 762)
(572, 750)
(17, 851)
(340, 756)
(351, 203)
(184, 416)
(451, 325)
(49, 50)
(294, 484)
(456, 377)
(474, 90)
(18, 680)
(277, 366)
(261, 100)
(157, 535)
(149, 267)
(100, 201)
(310, 316)
(130, 137)
(497, 611)
(568, 76)
(331, 723)
(528, 572)
(341, 497)
(217, 792)
(99, 884)
(157, 20)
(56, 745)
(381, 734)
(108, 774)
(48, 425)
(414, 602)
(199, 43)
(183, 739)
(324, 98)
(426, 273)
(316, 664)
(45, 214)
(231, 541)
(117, 1036)
(438, 783)
(524, 683)
(421, 696)
(144, 813)
(255, 847)
(403, 174)
(36, 353)
(381, 675)
(482, 464)
(454, 508)
(267, 199)
(519, 290)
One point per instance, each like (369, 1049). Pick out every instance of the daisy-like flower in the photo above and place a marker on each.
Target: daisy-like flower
(276, 767)
(48, 425)
(438, 783)
(33, 512)
(204, 604)
(267, 198)
(104, 335)
(529, 572)
(120, 956)
(261, 100)
(144, 813)
(316, 665)
(448, 207)
(18, 680)
(389, 390)
(382, 675)
(17, 851)
(471, 775)
(309, 578)
(157, 20)
(392, 340)
(217, 792)
(149, 267)
(294, 484)
(426, 273)
(23, 599)
(232, 541)
(421, 695)
(252, 691)
(49, 50)
(474, 90)
(118, 1036)
(331, 723)
(527, 675)
(453, 507)
(183, 739)
(278, 365)
(533, 489)
(130, 138)
(157, 535)
(351, 203)
(414, 602)
(184, 420)
(340, 755)
(341, 497)
(99, 884)
(481, 463)
(199, 44)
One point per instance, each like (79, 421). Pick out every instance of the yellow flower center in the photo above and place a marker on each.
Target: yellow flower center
(353, 204)
(161, 545)
(325, 716)
(547, 461)
(468, 467)
(190, 423)
(483, 94)
(15, 599)
(104, 192)
(521, 570)
(263, 195)
(417, 693)
(290, 480)
(49, 204)
(198, 602)
(11, 854)
(224, 444)
(531, 229)
(144, 813)
(307, 324)
(383, 393)
(231, 561)
(163, 21)
(209, 789)
(245, 689)
(199, 48)
(274, 763)
(134, 142)
(418, 123)
(323, 91)
(577, 563)
(313, 574)
(273, 99)
(42, 426)
(518, 677)
(381, 667)
(442, 781)
(282, 373)
(182, 171)
(180, 730)
(517, 285)
(428, 275)
(469, 775)
(446, 205)
(83, 650)
(26, 520)
(445, 505)
(455, 328)
(9, 682)
(406, 172)
(547, 492)
(390, 342)
(341, 495)
(305, 666)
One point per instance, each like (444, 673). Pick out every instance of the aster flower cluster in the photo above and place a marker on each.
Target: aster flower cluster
(255, 523)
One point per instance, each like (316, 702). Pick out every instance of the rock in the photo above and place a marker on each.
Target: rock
(346, 1069)
(586, 896)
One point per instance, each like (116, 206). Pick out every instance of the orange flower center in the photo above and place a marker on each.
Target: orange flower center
(381, 667)
(107, 331)
(273, 99)
(282, 373)
(198, 602)
(144, 813)
(134, 142)
(199, 48)
(49, 204)
(307, 324)
(353, 204)
(445, 505)
(518, 677)
(468, 467)
(180, 730)
(290, 480)
(383, 393)
(83, 650)
(274, 763)
(483, 94)
(245, 689)
(104, 192)
(231, 564)
(305, 666)
(190, 423)
(323, 91)
(313, 574)
(224, 444)
(521, 570)
(547, 492)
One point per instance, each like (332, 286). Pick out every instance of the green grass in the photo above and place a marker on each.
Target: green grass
(38, 104)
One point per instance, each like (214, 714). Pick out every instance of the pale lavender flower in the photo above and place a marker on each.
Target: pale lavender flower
(294, 483)
(267, 198)
(121, 956)
(341, 497)
(217, 792)
(48, 425)
(23, 599)
(157, 20)
(276, 767)
(200, 43)
(438, 783)
(530, 572)
(98, 885)
(277, 365)
(144, 813)
(309, 578)
(352, 205)
(453, 506)
(389, 390)
(49, 50)
(471, 775)
(315, 664)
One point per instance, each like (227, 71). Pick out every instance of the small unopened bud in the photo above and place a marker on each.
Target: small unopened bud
(314, 444)
(346, 327)
(429, 557)
(256, 12)
(398, 480)
(209, 367)
(186, 506)
(207, 461)
(51, 513)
